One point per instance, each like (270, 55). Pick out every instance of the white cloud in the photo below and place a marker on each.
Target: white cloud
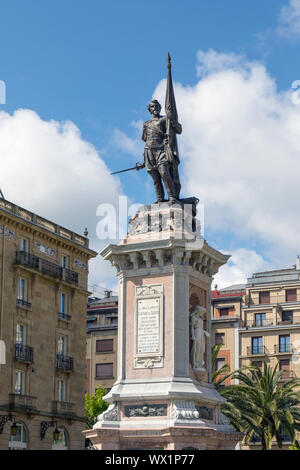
(242, 264)
(49, 169)
(289, 20)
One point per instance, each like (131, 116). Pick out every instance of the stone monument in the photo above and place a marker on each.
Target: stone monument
(163, 397)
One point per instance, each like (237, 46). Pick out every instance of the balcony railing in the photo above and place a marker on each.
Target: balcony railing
(46, 267)
(62, 408)
(64, 363)
(21, 402)
(283, 348)
(23, 303)
(256, 350)
(64, 316)
(271, 323)
(288, 374)
(23, 353)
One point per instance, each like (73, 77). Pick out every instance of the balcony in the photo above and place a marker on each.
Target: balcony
(19, 402)
(64, 363)
(256, 351)
(63, 408)
(23, 303)
(23, 353)
(288, 374)
(283, 348)
(46, 267)
(64, 316)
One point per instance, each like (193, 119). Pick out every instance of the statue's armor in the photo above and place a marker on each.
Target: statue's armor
(155, 133)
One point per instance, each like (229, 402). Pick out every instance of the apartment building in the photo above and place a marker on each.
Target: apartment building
(271, 320)
(102, 342)
(43, 296)
(226, 316)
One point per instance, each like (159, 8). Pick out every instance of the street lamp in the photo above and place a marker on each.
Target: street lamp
(3, 421)
(48, 424)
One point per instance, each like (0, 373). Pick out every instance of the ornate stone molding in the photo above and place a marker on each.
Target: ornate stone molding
(111, 414)
(184, 409)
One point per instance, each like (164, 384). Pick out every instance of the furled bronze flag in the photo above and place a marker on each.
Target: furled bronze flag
(172, 116)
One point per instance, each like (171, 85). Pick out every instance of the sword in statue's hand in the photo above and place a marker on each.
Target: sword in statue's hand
(138, 166)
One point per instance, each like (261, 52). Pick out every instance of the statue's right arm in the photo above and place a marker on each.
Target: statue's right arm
(144, 133)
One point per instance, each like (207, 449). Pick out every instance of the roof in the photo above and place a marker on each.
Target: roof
(235, 290)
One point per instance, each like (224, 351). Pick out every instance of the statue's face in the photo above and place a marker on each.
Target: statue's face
(154, 108)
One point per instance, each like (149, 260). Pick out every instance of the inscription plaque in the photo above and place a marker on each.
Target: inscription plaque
(149, 325)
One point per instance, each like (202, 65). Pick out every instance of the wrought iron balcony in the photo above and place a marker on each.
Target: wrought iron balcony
(283, 348)
(64, 316)
(64, 363)
(23, 303)
(288, 374)
(256, 350)
(46, 267)
(23, 353)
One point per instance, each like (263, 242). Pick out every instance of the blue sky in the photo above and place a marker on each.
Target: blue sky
(97, 64)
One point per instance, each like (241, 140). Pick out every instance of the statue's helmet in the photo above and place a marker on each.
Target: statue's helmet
(154, 102)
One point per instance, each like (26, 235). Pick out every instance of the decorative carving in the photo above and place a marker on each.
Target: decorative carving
(111, 414)
(184, 409)
(8, 233)
(46, 249)
(198, 337)
(147, 362)
(149, 290)
(146, 410)
(79, 264)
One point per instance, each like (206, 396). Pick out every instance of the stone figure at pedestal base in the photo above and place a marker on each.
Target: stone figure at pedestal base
(198, 337)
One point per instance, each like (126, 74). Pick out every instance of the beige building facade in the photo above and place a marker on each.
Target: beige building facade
(260, 321)
(102, 342)
(43, 282)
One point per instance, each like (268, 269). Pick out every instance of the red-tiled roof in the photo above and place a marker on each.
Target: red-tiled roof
(216, 293)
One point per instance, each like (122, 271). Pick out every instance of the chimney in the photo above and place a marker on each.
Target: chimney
(107, 294)
(298, 262)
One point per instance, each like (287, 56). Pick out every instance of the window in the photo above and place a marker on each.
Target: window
(24, 244)
(224, 312)
(220, 338)
(64, 261)
(21, 334)
(264, 297)
(62, 302)
(61, 390)
(20, 382)
(220, 362)
(287, 316)
(19, 441)
(62, 346)
(104, 370)
(260, 319)
(284, 343)
(291, 295)
(257, 345)
(22, 289)
(105, 345)
(284, 365)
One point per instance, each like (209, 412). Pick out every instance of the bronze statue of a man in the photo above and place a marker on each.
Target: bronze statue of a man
(159, 159)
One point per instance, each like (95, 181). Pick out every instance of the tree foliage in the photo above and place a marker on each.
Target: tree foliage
(262, 406)
(94, 406)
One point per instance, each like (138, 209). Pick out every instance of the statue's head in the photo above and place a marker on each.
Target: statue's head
(199, 311)
(154, 107)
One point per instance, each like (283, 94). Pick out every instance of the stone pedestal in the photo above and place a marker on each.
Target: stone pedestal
(162, 399)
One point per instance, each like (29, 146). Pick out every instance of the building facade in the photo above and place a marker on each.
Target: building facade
(258, 322)
(102, 342)
(43, 288)
(226, 318)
